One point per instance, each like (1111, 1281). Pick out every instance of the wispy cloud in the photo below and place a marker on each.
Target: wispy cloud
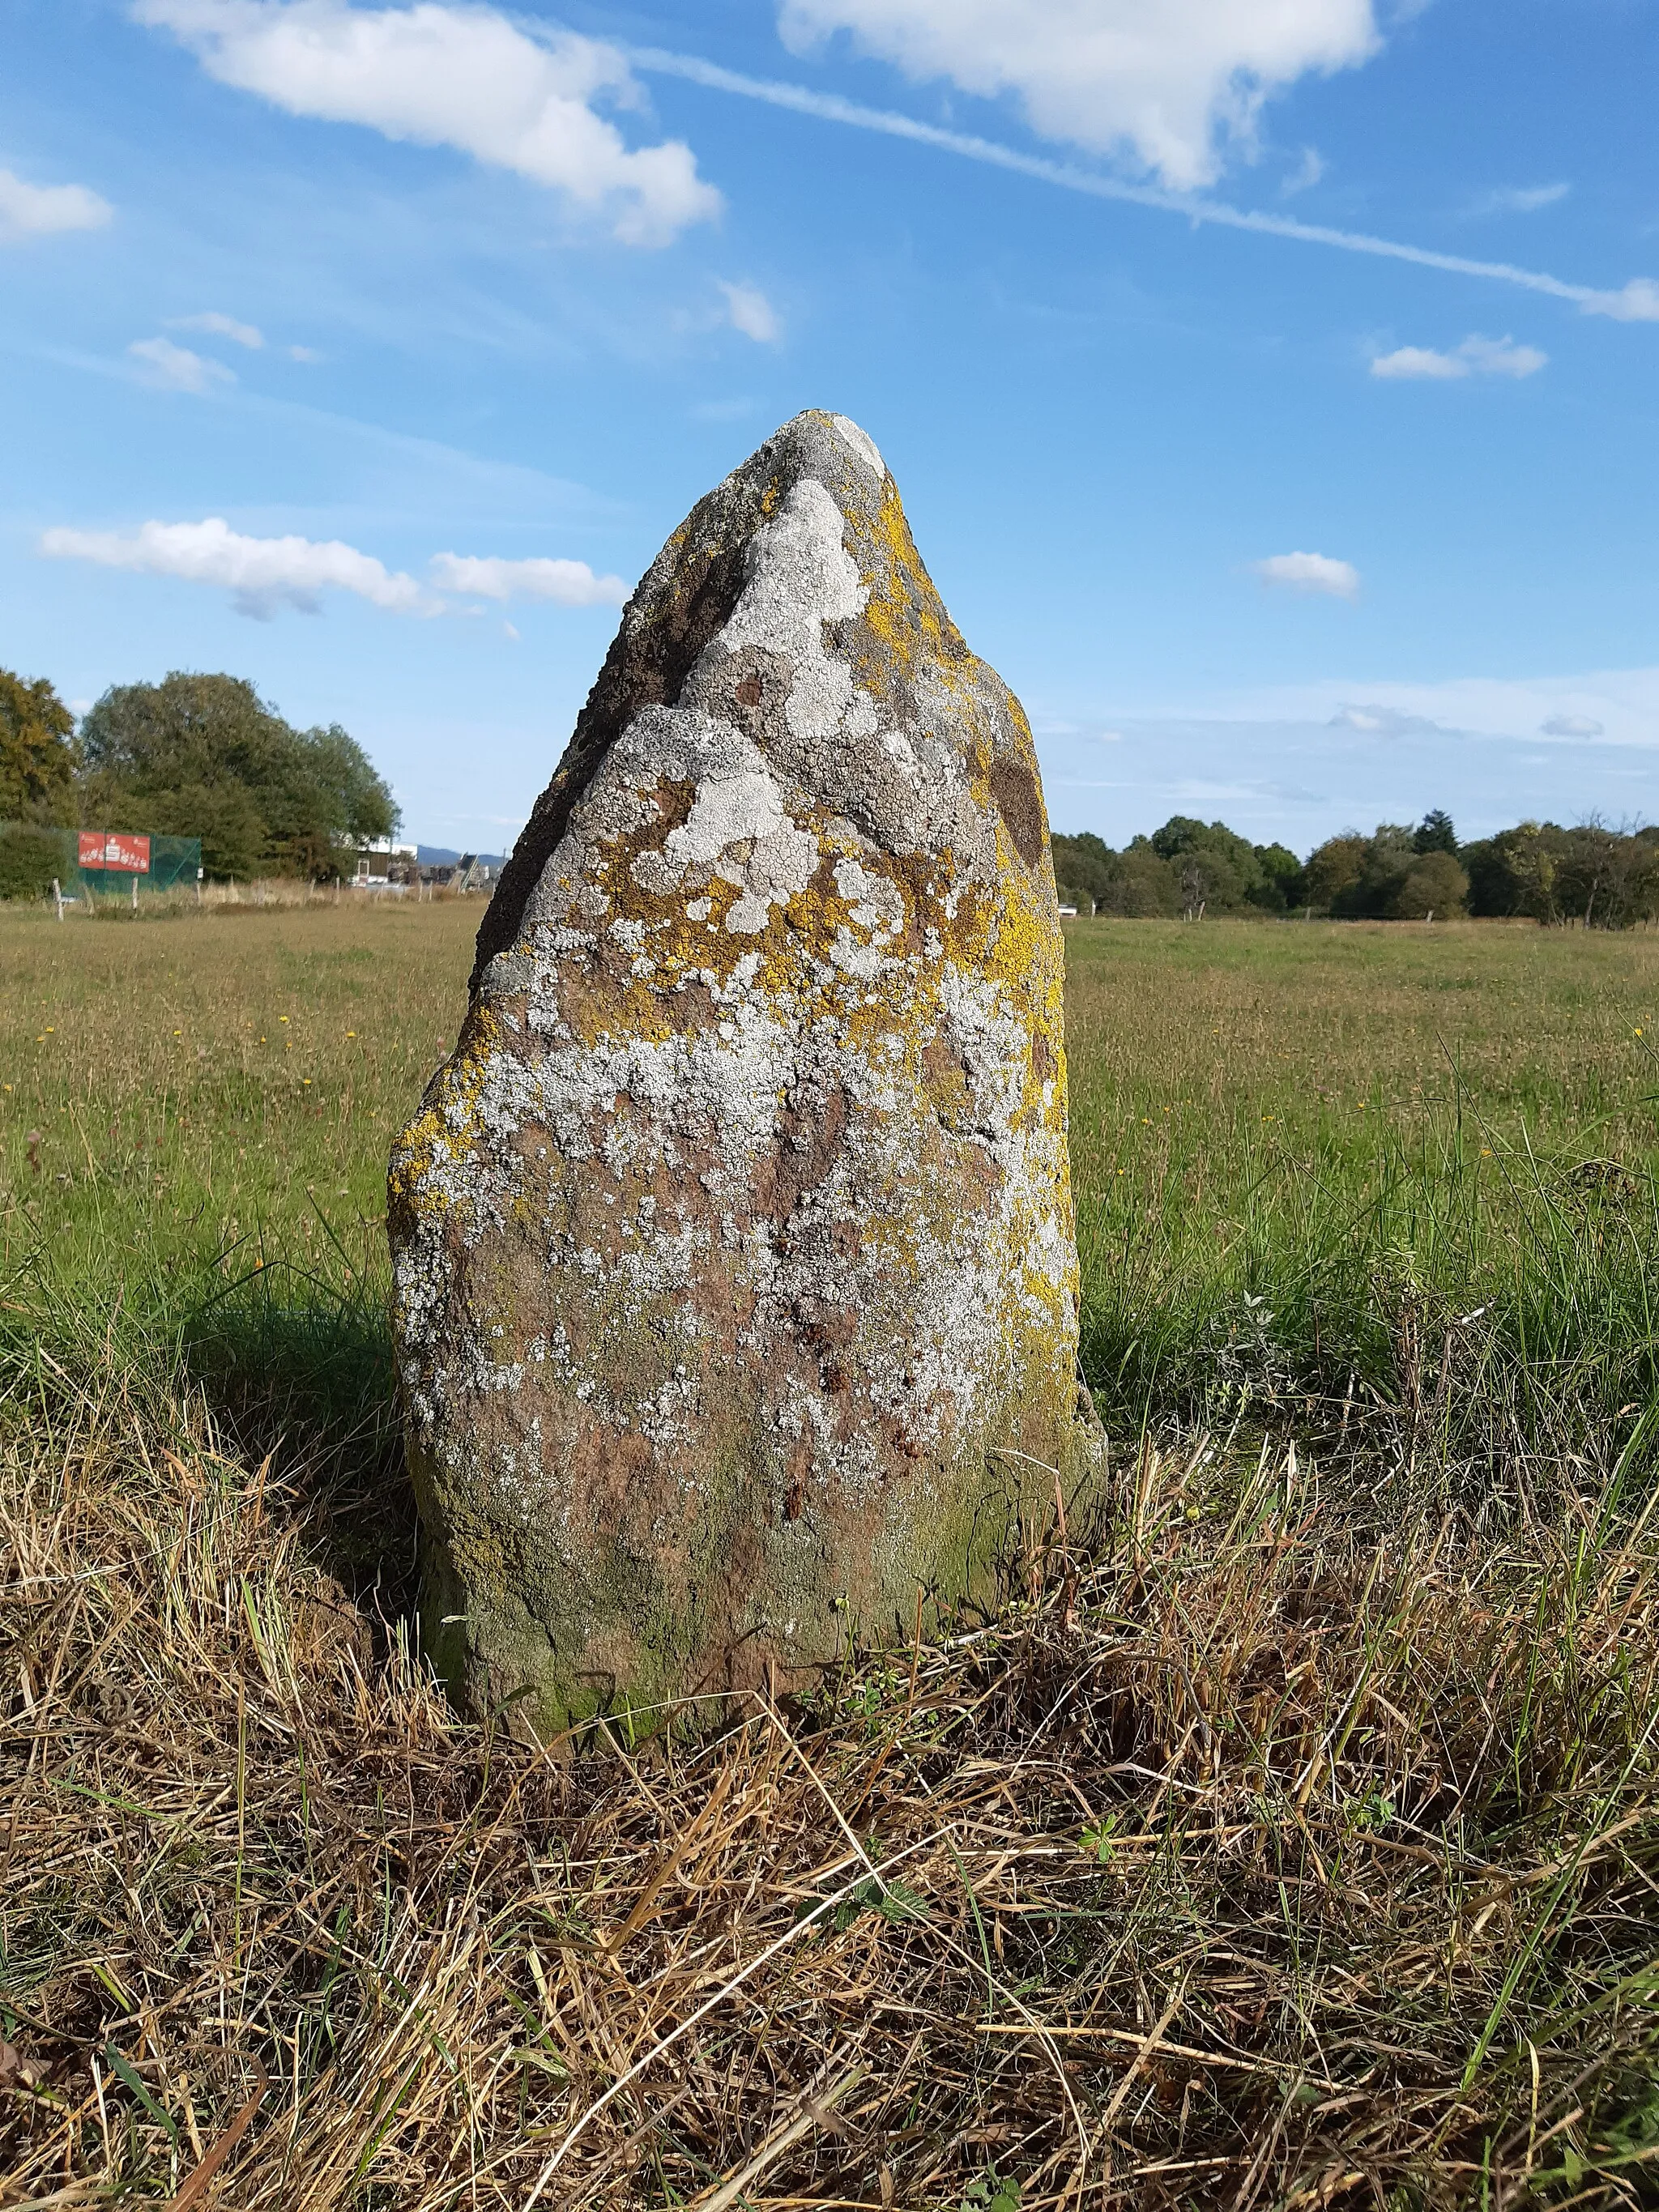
(176, 368)
(36, 210)
(214, 324)
(1638, 301)
(1518, 199)
(1476, 356)
(261, 574)
(1315, 573)
(749, 311)
(566, 583)
(463, 76)
(1622, 703)
(1305, 175)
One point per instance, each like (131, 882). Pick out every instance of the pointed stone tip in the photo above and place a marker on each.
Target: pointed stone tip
(860, 441)
(862, 444)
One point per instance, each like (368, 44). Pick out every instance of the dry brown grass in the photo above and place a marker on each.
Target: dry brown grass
(1291, 1841)
(1286, 1847)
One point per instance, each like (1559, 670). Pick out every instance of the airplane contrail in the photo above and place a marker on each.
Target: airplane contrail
(1638, 301)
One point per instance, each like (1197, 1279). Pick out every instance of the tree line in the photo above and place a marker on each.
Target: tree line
(193, 755)
(1600, 878)
(201, 756)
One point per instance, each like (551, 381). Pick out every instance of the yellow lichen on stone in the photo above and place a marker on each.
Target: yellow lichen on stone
(444, 1127)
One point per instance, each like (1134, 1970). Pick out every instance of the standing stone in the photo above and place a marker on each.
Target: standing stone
(735, 1261)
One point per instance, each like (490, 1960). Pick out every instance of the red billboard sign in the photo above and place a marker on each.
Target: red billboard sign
(114, 849)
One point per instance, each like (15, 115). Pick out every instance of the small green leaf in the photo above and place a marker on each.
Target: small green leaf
(1096, 1841)
(896, 1902)
(892, 1900)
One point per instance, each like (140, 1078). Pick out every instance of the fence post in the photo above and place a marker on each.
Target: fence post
(58, 896)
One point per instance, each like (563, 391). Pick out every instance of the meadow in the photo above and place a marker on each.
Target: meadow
(1288, 1838)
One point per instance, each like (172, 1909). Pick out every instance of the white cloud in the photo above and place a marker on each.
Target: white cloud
(752, 313)
(304, 353)
(567, 583)
(1165, 80)
(1309, 572)
(1501, 357)
(1637, 302)
(453, 76)
(1572, 726)
(221, 327)
(35, 210)
(1379, 722)
(176, 368)
(1418, 361)
(1519, 199)
(1476, 356)
(264, 573)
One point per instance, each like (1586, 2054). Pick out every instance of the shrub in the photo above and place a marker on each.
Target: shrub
(30, 858)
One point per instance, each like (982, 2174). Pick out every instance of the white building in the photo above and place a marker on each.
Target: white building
(379, 862)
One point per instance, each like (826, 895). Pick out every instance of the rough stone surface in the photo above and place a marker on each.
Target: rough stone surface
(735, 1251)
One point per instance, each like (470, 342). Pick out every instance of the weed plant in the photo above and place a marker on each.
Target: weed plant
(1289, 1839)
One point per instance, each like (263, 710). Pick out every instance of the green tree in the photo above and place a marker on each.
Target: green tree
(200, 755)
(1142, 885)
(1515, 872)
(1433, 885)
(1214, 868)
(1284, 883)
(36, 752)
(1386, 860)
(1435, 833)
(1606, 878)
(1331, 868)
(1083, 866)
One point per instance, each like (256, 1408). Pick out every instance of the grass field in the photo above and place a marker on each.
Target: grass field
(1297, 1845)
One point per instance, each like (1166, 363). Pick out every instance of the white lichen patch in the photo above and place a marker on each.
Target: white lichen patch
(862, 444)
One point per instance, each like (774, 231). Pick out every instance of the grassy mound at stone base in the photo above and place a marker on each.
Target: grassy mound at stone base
(1296, 1844)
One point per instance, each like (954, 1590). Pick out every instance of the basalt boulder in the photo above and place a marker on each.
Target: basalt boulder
(735, 1262)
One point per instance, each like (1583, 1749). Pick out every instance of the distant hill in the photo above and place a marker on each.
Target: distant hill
(443, 856)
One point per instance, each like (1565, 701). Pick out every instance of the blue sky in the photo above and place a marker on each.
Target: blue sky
(370, 351)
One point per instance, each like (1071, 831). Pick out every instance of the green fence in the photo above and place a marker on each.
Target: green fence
(172, 860)
(31, 858)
